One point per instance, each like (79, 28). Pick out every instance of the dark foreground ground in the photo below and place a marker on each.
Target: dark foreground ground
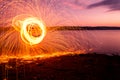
(77, 67)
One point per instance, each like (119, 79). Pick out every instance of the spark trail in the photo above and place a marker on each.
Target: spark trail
(32, 30)
(27, 35)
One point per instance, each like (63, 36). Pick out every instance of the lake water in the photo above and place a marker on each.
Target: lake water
(100, 41)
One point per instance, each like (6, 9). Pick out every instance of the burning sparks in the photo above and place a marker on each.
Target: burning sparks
(32, 30)
(28, 18)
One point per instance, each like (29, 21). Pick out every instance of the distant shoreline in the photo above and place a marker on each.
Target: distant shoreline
(83, 28)
(62, 28)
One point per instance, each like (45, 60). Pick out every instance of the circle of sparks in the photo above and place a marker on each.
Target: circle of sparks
(29, 28)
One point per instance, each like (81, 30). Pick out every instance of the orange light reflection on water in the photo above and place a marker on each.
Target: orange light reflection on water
(29, 58)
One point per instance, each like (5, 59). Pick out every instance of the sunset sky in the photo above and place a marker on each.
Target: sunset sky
(65, 12)
(92, 12)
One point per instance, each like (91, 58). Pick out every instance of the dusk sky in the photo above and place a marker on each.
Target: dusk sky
(93, 12)
(66, 12)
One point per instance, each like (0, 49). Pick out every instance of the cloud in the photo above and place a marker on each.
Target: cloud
(74, 4)
(111, 4)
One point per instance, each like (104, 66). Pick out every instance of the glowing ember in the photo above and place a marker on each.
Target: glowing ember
(32, 30)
